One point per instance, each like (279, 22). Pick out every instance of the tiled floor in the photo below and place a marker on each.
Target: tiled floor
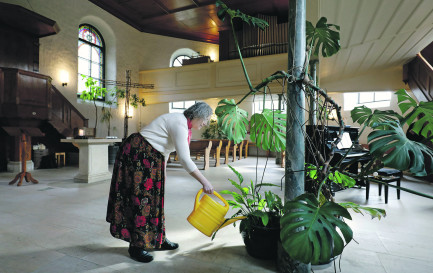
(59, 226)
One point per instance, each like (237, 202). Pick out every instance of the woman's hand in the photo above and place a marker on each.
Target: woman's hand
(208, 188)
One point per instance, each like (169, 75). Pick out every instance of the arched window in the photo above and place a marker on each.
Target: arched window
(91, 55)
(181, 54)
(178, 60)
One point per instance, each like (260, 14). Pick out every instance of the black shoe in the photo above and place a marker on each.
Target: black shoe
(140, 254)
(167, 245)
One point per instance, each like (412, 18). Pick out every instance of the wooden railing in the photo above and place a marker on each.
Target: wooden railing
(63, 115)
(418, 73)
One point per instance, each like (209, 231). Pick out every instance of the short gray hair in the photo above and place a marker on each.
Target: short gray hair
(198, 110)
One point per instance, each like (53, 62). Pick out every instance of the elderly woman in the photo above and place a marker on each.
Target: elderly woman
(136, 202)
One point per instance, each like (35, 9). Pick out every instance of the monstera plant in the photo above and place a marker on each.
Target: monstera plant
(388, 142)
(312, 227)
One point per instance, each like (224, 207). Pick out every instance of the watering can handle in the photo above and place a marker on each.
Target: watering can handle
(215, 193)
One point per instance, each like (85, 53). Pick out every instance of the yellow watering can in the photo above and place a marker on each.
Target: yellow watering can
(208, 215)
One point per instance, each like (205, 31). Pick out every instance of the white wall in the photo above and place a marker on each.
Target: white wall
(127, 48)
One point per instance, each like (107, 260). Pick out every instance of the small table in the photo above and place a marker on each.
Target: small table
(93, 159)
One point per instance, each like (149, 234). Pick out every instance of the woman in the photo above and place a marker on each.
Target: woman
(136, 202)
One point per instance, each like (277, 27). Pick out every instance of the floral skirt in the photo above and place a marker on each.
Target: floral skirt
(135, 208)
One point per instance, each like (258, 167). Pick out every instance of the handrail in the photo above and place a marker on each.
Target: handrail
(68, 103)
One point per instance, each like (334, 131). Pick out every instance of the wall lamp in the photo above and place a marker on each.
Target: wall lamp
(64, 77)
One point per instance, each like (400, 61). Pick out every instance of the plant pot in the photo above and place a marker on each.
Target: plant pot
(262, 242)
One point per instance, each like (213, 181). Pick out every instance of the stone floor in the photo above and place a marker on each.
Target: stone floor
(59, 226)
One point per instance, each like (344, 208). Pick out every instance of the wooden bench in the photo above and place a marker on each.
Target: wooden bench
(242, 146)
(201, 147)
(216, 150)
(246, 143)
(227, 148)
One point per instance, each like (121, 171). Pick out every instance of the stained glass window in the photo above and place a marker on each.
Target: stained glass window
(91, 55)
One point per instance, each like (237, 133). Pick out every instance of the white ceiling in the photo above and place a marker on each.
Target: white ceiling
(376, 35)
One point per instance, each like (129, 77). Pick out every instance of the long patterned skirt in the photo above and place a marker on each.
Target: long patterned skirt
(135, 208)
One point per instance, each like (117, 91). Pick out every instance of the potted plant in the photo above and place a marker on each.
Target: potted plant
(261, 227)
(312, 225)
(212, 131)
(96, 92)
(93, 93)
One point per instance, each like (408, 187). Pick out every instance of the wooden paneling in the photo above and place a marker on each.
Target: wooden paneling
(187, 19)
(30, 96)
(419, 76)
(17, 49)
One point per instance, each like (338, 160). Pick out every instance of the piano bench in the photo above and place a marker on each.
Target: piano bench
(388, 176)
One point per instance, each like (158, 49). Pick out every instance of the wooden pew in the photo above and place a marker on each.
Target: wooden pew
(240, 148)
(225, 149)
(201, 147)
(228, 148)
(216, 150)
(246, 143)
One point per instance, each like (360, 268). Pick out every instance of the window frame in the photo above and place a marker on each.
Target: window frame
(177, 59)
(101, 48)
(374, 97)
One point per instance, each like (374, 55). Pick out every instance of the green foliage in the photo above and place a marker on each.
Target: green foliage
(364, 115)
(373, 212)
(268, 130)
(422, 111)
(250, 20)
(309, 231)
(334, 175)
(212, 131)
(232, 120)
(389, 143)
(395, 150)
(134, 100)
(323, 36)
(94, 91)
(258, 210)
(342, 179)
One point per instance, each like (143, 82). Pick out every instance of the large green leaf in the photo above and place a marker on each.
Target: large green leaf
(232, 120)
(341, 178)
(363, 114)
(309, 231)
(225, 10)
(323, 36)
(423, 111)
(268, 130)
(373, 212)
(395, 150)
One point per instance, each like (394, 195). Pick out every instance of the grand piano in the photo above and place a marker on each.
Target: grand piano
(322, 137)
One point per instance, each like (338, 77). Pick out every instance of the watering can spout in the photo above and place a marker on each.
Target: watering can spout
(231, 221)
